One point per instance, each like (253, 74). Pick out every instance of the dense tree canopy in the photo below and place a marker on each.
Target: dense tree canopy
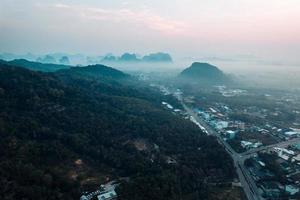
(50, 120)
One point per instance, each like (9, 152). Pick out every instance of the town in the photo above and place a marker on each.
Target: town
(260, 129)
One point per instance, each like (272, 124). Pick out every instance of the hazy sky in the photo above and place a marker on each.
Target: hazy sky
(264, 28)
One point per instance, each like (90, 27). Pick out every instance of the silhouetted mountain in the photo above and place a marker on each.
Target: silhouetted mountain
(36, 66)
(127, 57)
(47, 59)
(157, 57)
(109, 58)
(204, 73)
(7, 56)
(10, 56)
(64, 60)
(95, 71)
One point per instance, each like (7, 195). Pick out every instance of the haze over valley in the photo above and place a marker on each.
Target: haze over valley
(150, 100)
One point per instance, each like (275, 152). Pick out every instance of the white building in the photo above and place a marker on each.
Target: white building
(230, 134)
(291, 189)
(108, 195)
(221, 125)
(246, 144)
(167, 105)
(291, 133)
(84, 197)
(250, 145)
(284, 153)
(296, 158)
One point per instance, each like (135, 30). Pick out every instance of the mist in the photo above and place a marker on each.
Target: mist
(251, 40)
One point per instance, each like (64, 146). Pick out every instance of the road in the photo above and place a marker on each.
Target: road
(280, 144)
(245, 178)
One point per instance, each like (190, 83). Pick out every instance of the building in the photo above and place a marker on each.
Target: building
(291, 189)
(291, 134)
(221, 125)
(167, 105)
(212, 110)
(296, 158)
(250, 145)
(237, 124)
(105, 192)
(230, 134)
(270, 189)
(246, 144)
(284, 153)
(84, 197)
(108, 195)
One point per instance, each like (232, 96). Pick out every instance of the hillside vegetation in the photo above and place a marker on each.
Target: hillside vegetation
(205, 74)
(66, 132)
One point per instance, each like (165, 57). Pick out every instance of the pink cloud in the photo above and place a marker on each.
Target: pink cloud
(144, 17)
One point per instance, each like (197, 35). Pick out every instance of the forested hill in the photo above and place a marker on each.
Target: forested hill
(95, 71)
(36, 66)
(60, 137)
(204, 73)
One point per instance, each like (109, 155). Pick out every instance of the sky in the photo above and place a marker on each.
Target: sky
(223, 29)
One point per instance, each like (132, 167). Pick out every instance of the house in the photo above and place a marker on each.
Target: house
(167, 105)
(291, 134)
(246, 144)
(237, 124)
(250, 145)
(221, 125)
(261, 163)
(270, 189)
(84, 197)
(291, 189)
(108, 195)
(296, 158)
(230, 134)
(212, 110)
(257, 144)
(284, 153)
(105, 192)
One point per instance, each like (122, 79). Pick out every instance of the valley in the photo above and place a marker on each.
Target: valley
(250, 124)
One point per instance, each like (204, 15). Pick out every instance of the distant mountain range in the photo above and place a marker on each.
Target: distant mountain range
(36, 66)
(95, 71)
(79, 59)
(127, 57)
(204, 73)
(90, 71)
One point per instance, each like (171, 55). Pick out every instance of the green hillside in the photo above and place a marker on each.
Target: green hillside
(63, 134)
